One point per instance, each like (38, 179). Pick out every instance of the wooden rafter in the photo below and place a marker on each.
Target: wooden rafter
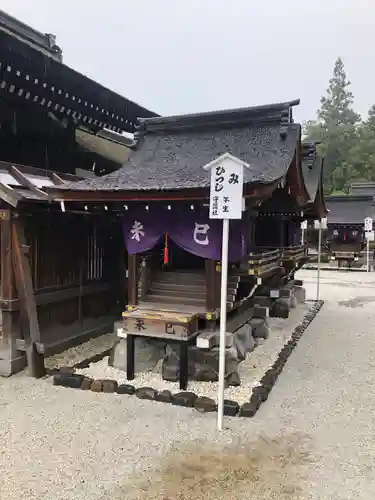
(9, 195)
(25, 182)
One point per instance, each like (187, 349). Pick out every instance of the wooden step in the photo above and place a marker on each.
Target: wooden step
(178, 286)
(172, 299)
(183, 291)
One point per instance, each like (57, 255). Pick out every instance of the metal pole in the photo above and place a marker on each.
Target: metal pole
(368, 254)
(319, 256)
(303, 236)
(223, 322)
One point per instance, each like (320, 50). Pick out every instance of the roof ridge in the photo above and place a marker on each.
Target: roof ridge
(278, 112)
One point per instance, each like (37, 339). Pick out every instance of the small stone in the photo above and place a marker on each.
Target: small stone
(125, 389)
(146, 393)
(86, 384)
(163, 396)
(248, 410)
(205, 405)
(231, 408)
(109, 386)
(184, 399)
(96, 386)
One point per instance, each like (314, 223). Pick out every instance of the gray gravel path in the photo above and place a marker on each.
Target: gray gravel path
(61, 444)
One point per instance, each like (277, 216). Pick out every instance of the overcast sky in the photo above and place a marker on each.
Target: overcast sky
(180, 56)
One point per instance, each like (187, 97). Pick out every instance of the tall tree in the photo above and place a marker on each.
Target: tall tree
(361, 156)
(335, 127)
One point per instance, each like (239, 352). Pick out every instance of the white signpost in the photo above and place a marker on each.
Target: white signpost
(369, 234)
(226, 202)
(320, 225)
(303, 227)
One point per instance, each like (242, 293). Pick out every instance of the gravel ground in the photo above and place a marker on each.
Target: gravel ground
(313, 439)
(79, 353)
(251, 370)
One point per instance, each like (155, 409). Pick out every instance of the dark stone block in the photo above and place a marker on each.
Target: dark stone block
(163, 396)
(146, 393)
(255, 399)
(233, 379)
(109, 386)
(205, 405)
(259, 328)
(262, 392)
(126, 389)
(261, 311)
(184, 399)
(96, 386)
(248, 410)
(67, 370)
(86, 384)
(68, 380)
(231, 408)
(262, 301)
(280, 309)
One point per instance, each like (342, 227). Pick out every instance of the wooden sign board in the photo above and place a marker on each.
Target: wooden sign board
(160, 324)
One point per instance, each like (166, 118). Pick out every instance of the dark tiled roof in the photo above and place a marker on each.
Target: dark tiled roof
(349, 209)
(44, 42)
(172, 151)
(362, 189)
(312, 167)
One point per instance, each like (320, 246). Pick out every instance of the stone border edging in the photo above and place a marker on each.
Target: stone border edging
(66, 377)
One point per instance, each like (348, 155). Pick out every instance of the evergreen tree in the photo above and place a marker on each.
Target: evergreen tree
(336, 128)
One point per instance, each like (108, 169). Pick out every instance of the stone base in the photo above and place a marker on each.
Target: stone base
(11, 361)
(300, 294)
(204, 363)
(148, 354)
(9, 367)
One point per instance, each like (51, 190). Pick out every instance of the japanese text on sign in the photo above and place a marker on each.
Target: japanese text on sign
(226, 189)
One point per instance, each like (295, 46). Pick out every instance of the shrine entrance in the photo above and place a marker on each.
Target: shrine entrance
(180, 260)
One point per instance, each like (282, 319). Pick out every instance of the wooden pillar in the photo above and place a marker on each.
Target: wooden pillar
(133, 268)
(29, 316)
(11, 360)
(211, 290)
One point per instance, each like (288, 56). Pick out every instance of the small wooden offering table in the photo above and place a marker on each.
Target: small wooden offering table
(171, 326)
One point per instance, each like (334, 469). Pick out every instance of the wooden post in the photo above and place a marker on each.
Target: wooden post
(11, 360)
(211, 290)
(133, 260)
(29, 316)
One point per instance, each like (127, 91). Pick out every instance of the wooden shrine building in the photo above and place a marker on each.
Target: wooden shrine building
(57, 270)
(345, 235)
(160, 199)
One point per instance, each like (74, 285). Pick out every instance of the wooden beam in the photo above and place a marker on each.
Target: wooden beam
(56, 179)
(45, 297)
(29, 315)
(133, 260)
(256, 191)
(24, 181)
(9, 195)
